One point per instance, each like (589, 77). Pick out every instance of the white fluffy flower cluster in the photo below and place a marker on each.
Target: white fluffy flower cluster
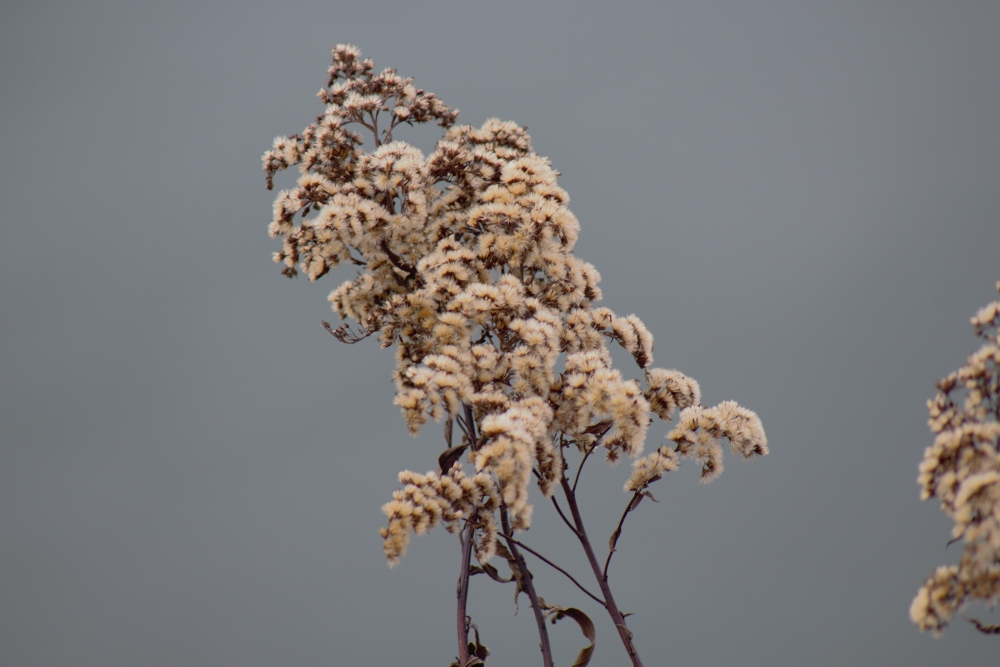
(465, 264)
(962, 469)
(427, 500)
(697, 436)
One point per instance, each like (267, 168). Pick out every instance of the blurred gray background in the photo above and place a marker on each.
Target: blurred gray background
(800, 199)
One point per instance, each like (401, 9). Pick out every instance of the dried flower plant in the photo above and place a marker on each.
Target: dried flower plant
(465, 264)
(962, 469)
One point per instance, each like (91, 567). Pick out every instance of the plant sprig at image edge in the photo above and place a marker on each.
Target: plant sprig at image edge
(962, 470)
(464, 263)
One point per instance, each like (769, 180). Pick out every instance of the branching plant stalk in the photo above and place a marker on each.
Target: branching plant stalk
(602, 579)
(590, 450)
(469, 426)
(463, 594)
(568, 523)
(528, 586)
(613, 544)
(523, 574)
(554, 566)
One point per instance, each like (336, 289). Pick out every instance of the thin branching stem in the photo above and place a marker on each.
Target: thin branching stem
(470, 420)
(360, 121)
(524, 576)
(586, 455)
(463, 578)
(392, 126)
(618, 530)
(555, 503)
(568, 523)
(616, 616)
(461, 424)
(374, 127)
(463, 595)
(548, 562)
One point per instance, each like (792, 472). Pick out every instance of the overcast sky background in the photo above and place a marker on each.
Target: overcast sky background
(800, 200)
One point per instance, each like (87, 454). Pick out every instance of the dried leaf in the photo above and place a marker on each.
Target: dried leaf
(503, 553)
(599, 429)
(515, 572)
(635, 501)
(449, 457)
(477, 651)
(491, 572)
(586, 627)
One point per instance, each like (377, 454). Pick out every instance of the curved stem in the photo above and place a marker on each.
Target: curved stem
(602, 579)
(584, 460)
(618, 531)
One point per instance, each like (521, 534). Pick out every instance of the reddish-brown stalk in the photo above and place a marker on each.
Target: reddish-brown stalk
(602, 578)
(463, 595)
(524, 576)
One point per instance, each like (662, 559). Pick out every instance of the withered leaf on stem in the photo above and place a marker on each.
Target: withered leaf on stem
(491, 572)
(557, 613)
(449, 457)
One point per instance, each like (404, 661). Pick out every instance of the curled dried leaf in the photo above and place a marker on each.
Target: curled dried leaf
(555, 613)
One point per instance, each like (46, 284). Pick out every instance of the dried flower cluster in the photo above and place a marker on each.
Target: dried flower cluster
(962, 469)
(427, 500)
(464, 263)
(697, 436)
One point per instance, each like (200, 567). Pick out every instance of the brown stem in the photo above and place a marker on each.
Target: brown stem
(374, 117)
(550, 563)
(602, 580)
(470, 422)
(590, 450)
(463, 596)
(524, 573)
(528, 586)
(568, 523)
(618, 531)
(463, 578)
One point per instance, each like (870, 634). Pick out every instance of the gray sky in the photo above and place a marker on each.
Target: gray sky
(799, 199)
